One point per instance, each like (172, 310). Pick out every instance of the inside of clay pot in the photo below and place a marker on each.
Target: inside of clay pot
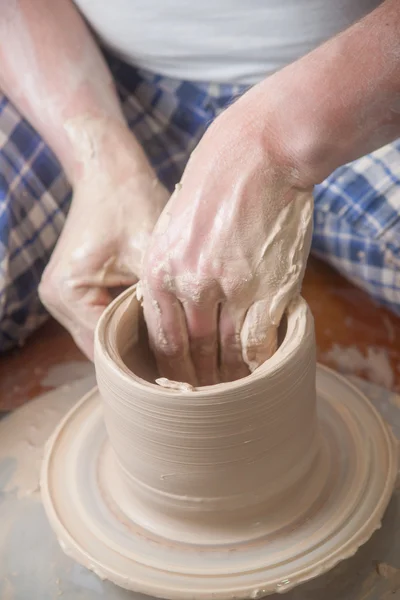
(137, 355)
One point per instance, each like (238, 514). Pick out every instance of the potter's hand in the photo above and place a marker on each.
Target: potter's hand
(227, 255)
(67, 93)
(116, 202)
(230, 249)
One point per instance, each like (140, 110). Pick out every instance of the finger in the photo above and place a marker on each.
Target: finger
(232, 365)
(84, 336)
(258, 336)
(168, 337)
(202, 324)
(110, 274)
(79, 313)
(89, 308)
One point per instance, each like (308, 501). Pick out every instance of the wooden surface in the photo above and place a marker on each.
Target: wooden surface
(354, 335)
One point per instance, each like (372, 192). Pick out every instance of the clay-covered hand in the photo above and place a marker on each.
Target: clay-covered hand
(117, 200)
(227, 255)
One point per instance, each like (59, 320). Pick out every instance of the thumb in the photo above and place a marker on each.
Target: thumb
(79, 313)
(258, 336)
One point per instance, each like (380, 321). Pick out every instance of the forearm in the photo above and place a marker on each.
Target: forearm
(339, 102)
(52, 69)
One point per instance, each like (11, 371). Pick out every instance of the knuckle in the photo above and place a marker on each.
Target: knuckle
(54, 290)
(236, 288)
(157, 274)
(48, 290)
(168, 345)
(170, 348)
(202, 290)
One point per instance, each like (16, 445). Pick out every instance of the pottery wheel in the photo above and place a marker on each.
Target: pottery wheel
(77, 490)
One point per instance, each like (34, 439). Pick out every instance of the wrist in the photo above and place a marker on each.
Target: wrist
(264, 122)
(102, 146)
(296, 135)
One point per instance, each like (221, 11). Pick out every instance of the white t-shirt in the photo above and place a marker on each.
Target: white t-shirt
(235, 41)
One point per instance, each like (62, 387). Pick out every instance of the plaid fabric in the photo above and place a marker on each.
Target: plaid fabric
(357, 223)
(357, 226)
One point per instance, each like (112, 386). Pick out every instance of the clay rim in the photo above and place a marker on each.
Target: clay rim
(106, 352)
(345, 551)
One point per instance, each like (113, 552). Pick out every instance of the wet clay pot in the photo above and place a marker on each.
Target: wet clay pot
(230, 491)
(207, 464)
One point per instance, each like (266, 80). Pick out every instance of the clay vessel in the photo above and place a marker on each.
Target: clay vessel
(232, 491)
(216, 464)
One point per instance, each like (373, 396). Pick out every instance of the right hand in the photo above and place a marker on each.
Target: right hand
(228, 254)
(116, 202)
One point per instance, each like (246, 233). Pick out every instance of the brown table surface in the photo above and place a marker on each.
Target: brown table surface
(354, 335)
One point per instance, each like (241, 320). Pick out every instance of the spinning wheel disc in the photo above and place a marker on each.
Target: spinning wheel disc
(359, 459)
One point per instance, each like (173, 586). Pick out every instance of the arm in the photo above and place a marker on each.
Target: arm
(339, 102)
(239, 229)
(53, 71)
(51, 68)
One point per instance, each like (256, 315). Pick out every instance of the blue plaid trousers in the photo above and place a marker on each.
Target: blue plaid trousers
(357, 209)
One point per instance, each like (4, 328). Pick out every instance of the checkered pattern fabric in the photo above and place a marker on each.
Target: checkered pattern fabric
(357, 225)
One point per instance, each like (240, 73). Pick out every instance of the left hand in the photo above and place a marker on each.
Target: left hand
(228, 253)
(116, 202)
